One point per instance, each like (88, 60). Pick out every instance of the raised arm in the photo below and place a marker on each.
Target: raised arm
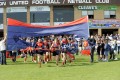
(5, 38)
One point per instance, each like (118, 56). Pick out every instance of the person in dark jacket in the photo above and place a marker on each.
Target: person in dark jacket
(33, 52)
(92, 43)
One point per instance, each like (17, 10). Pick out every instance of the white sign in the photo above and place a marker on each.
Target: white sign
(44, 23)
(39, 8)
(1, 10)
(1, 26)
(16, 9)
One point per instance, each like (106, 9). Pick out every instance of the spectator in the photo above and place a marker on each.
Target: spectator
(118, 45)
(3, 50)
(107, 48)
(92, 43)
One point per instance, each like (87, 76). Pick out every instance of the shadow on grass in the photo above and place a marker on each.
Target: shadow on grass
(51, 65)
(20, 63)
(118, 59)
(81, 61)
(114, 60)
(83, 64)
(70, 65)
(77, 62)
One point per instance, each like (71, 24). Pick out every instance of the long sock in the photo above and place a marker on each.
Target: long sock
(63, 63)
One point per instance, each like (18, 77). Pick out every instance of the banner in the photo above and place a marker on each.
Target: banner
(104, 23)
(9, 3)
(17, 30)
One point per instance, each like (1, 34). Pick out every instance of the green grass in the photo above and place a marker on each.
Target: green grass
(81, 69)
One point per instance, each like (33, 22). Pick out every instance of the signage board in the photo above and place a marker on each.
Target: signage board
(9, 3)
(93, 7)
(104, 23)
(16, 9)
(39, 8)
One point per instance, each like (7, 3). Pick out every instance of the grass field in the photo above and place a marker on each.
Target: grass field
(80, 69)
